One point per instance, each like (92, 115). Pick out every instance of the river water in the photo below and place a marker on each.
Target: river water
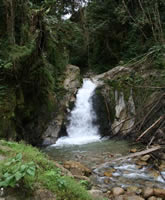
(83, 144)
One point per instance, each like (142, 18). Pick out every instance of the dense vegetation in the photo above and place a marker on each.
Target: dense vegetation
(25, 168)
(36, 43)
(32, 58)
(117, 31)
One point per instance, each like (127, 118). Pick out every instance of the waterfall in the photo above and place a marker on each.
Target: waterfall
(81, 129)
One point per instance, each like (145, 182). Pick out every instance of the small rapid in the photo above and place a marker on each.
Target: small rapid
(81, 129)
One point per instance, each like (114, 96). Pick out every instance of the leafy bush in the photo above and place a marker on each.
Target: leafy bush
(43, 173)
(15, 171)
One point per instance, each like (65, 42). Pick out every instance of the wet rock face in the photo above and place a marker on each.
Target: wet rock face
(112, 74)
(124, 113)
(102, 118)
(121, 105)
(57, 127)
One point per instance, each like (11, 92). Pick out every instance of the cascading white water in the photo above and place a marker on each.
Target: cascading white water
(81, 129)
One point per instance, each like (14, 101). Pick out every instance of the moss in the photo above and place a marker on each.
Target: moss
(47, 175)
(32, 68)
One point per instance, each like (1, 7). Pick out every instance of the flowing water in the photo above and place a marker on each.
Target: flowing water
(81, 129)
(83, 144)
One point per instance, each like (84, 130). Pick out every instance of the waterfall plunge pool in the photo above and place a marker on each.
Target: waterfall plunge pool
(83, 144)
(91, 154)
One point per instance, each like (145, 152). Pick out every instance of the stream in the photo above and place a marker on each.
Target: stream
(83, 144)
(107, 173)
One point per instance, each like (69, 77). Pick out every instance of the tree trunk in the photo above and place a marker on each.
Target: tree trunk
(10, 19)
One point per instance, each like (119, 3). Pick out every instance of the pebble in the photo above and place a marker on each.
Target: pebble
(141, 163)
(145, 158)
(132, 189)
(133, 150)
(106, 180)
(109, 172)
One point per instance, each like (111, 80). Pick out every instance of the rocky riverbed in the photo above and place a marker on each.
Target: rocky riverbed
(134, 178)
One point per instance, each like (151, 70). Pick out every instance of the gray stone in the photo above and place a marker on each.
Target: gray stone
(134, 197)
(124, 118)
(148, 192)
(112, 74)
(145, 158)
(43, 194)
(152, 198)
(116, 191)
(96, 193)
(159, 192)
(71, 84)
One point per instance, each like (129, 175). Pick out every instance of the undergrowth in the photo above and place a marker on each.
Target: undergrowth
(30, 169)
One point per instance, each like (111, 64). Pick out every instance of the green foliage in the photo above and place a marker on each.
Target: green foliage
(15, 171)
(158, 56)
(31, 66)
(113, 31)
(85, 184)
(34, 169)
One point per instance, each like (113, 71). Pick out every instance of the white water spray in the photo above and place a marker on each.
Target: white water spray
(81, 129)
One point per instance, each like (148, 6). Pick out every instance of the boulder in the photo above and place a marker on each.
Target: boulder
(79, 178)
(121, 197)
(124, 113)
(120, 104)
(152, 198)
(77, 168)
(64, 171)
(158, 192)
(96, 193)
(128, 197)
(133, 189)
(43, 194)
(112, 74)
(72, 75)
(116, 191)
(148, 192)
(134, 197)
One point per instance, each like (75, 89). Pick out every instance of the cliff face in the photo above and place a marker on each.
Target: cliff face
(134, 99)
(56, 126)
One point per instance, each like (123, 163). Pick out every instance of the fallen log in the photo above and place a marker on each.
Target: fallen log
(139, 153)
(151, 127)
